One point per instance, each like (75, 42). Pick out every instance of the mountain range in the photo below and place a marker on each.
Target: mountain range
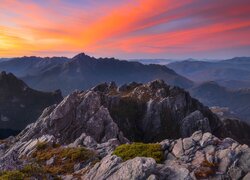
(83, 72)
(232, 73)
(21, 105)
(212, 94)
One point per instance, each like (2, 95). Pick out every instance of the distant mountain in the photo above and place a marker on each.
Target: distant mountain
(21, 105)
(154, 61)
(232, 73)
(25, 66)
(83, 72)
(4, 59)
(212, 94)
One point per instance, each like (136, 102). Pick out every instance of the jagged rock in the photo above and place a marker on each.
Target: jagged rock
(196, 136)
(174, 170)
(206, 139)
(217, 160)
(193, 122)
(178, 148)
(235, 173)
(112, 167)
(188, 143)
(84, 140)
(144, 112)
(78, 113)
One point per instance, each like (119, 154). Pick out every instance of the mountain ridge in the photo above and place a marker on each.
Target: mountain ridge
(212, 94)
(83, 72)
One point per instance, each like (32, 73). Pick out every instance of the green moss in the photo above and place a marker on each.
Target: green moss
(28, 171)
(12, 175)
(130, 151)
(33, 170)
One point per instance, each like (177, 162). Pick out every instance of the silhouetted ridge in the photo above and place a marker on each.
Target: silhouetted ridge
(21, 105)
(83, 72)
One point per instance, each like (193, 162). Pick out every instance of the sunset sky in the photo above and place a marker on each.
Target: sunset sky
(125, 29)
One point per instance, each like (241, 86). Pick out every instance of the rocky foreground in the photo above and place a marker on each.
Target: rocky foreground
(76, 139)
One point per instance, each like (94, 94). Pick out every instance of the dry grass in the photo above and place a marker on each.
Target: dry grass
(205, 170)
(64, 158)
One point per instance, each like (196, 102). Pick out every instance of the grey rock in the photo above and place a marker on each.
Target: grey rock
(111, 167)
(165, 144)
(50, 161)
(152, 177)
(244, 159)
(197, 135)
(188, 143)
(235, 173)
(246, 177)
(198, 159)
(206, 139)
(178, 148)
(173, 170)
(194, 122)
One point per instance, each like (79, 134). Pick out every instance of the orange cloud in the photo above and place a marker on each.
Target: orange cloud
(128, 27)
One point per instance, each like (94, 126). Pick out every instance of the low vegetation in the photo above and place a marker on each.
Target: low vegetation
(205, 170)
(51, 160)
(28, 171)
(62, 160)
(15, 175)
(130, 151)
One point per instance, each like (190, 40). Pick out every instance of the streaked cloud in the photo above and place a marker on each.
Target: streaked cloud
(125, 29)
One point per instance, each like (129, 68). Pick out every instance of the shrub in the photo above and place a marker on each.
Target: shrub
(130, 151)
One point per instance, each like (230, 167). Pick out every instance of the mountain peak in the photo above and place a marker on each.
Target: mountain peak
(81, 56)
(10, 81)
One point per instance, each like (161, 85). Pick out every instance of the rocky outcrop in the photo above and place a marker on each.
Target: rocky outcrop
(78, 113)
(140, 112)
(112, 167)
(106, 116)
(200, 156)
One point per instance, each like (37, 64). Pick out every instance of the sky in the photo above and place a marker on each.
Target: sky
(126, 29)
